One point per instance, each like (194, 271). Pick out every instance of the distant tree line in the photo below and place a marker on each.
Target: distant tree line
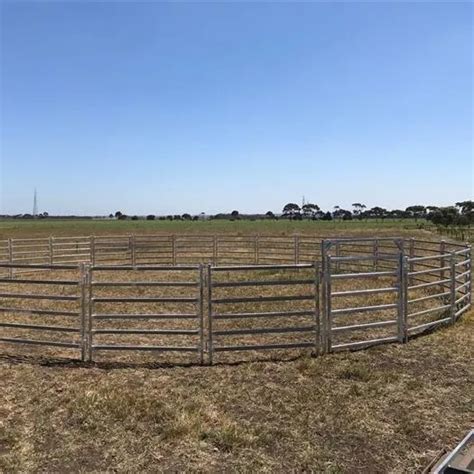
(461, 214)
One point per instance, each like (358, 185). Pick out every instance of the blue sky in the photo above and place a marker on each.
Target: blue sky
(190, 107)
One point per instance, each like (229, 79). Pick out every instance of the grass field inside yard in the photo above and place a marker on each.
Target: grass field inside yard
(390, 408)
(18, 228)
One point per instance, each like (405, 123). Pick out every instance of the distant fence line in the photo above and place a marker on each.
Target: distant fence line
(400, 287)
(176, 249)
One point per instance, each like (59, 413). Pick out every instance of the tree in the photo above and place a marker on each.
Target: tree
(291, 210)
(327, 216)
(358, 208)
(416, 211)
(150, 217)
(445, 216)
(270, 215)
(186, 216)
(342, 214)
(234, 215)
(134, 218)
(467, 210)
(310, 210)
(118, 214)
(377, 212)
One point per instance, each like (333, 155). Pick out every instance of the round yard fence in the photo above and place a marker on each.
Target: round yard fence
(202, 299)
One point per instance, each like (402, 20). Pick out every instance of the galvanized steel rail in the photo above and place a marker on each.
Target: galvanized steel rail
(394, 288)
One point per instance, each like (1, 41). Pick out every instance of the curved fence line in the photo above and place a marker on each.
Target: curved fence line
(347, 294)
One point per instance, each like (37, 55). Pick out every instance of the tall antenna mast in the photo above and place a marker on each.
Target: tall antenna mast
(303, 202)
(35, 204)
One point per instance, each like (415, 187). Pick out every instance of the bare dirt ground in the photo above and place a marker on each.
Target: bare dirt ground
(386, 409)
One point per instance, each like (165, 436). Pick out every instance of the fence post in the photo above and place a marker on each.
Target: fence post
(214, 250)
(469, 276)
(442, 263)
(92, 249)
(296, 243)
(88, 322)
(210, 347)
(452, 265)
(328, 316)
(376, 254)
(317, 309)
(200, 315)
(402, 276)
(131, 244)
(256, 248)
(411, 266)
(82, 322)
(338, 254)
(51, 250)
(173, 248)
(10, 258)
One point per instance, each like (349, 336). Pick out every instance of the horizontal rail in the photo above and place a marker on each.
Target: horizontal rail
(429, 297)
(429, 310)
(263, 299)
(268, 314)
(158, 299)
(48, 312)
(370, 342)
(144, 316)
(38, 297)
(183, 332)
(462, 310)
(39, 327)
(145, 283)
(144, 267)
(363, 258)
(431, 283)
(248, 331)
(464, 285)
(39, 266)
(429, 257)
(431, 271)
(256, 347)
(462, 298)
(363, 309)
(429, 325)
(39, 282)
(362, 275)
(364, 292)
(261, 267)
(126, 347)
(16, 340)
(231, 284)
(355, 327)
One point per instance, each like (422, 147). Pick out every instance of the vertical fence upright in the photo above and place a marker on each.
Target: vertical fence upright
(256, 249)
(210, 349)
(402, 303)
(317, 308)
(200, 313)
(452, 289)
(173, 249)
(214, 250)
(442, 263)
(296, 243)
(51, 250)
(375, 251)
(92, 249)
(84, 270)
(10, 258)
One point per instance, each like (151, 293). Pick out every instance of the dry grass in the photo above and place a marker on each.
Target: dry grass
(386, 409)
